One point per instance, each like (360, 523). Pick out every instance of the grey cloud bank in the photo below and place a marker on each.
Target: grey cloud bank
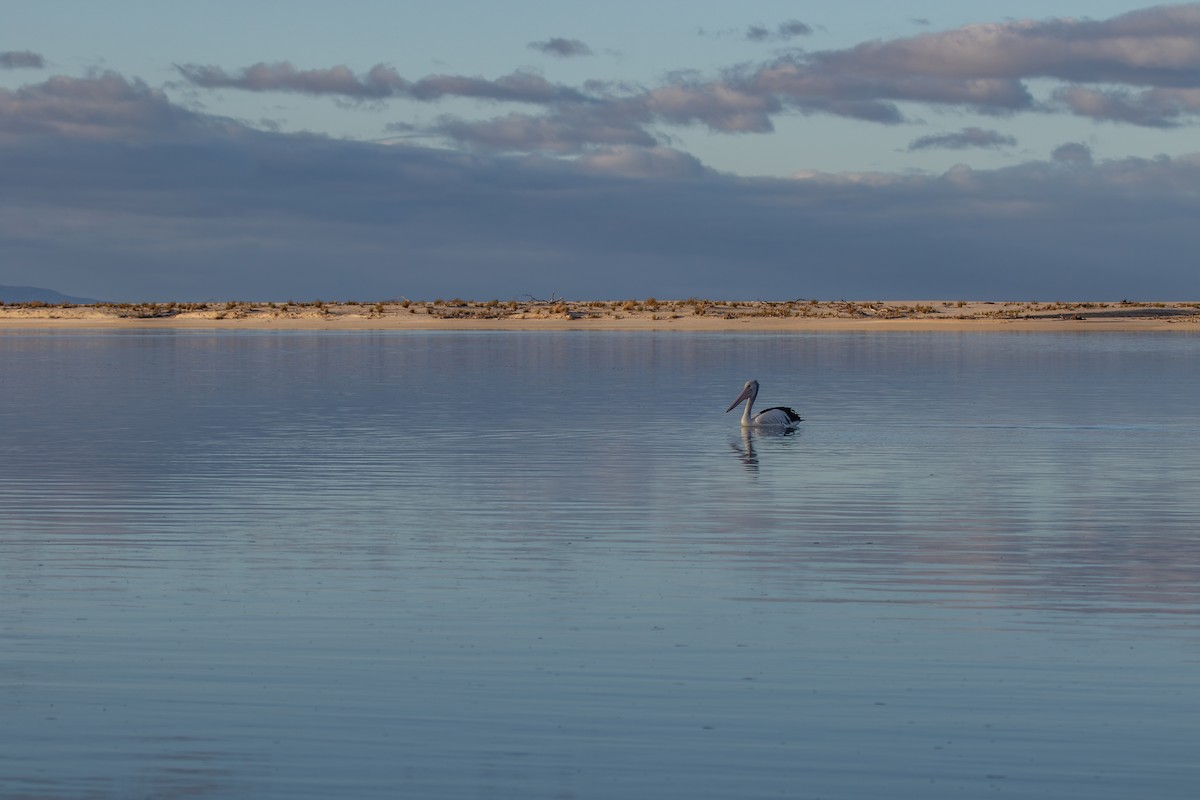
(132, 197)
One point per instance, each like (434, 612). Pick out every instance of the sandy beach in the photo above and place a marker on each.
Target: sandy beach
(649, 314)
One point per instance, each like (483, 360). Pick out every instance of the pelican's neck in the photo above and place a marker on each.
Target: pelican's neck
(746, 418)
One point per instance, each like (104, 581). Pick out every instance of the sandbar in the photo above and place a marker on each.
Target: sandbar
(616, 315)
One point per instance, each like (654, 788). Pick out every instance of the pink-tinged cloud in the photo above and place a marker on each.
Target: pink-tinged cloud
(1155, 46)
(1154, 108)
(553, 133)
(378, 83)
(720, 106)
(106, 106)
(1141, 68)
(643, 162)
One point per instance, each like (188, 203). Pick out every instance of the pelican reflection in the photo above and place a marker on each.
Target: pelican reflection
(745, 449)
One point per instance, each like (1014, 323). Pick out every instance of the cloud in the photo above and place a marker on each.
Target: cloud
(643, 162)
(1155, 46)
(380, 82)
(793, 28)
(616, 120)
(554, 133)
(519, 87)
(1141, 68)
(562, 48)
(721, 106)
(826, 82)
(105, 106)
(112, 190)
(782, 32)
(22, 59)
(1151, 108)
(962, 140)
(1072, 153)
(986, 66)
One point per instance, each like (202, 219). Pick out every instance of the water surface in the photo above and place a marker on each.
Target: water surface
(545, 565)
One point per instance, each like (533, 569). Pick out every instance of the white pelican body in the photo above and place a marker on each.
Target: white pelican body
(778, 417)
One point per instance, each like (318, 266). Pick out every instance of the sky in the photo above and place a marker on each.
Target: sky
(377, 149)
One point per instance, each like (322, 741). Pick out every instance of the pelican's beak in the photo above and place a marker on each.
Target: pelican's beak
(745, 393)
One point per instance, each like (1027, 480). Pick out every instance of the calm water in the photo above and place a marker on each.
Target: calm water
(546, 565)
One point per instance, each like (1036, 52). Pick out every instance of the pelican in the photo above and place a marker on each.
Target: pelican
(778, 417)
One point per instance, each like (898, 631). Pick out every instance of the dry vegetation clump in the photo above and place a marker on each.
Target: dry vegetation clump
(144, 310)
(773, 310)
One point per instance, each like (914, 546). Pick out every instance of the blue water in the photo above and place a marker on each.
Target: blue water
(546, 565)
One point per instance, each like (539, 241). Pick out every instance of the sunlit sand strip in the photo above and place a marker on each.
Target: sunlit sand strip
(631, 315)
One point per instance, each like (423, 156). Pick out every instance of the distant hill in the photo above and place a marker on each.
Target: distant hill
(32, 294)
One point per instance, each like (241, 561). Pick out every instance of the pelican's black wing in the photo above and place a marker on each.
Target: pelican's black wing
(790, 413)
